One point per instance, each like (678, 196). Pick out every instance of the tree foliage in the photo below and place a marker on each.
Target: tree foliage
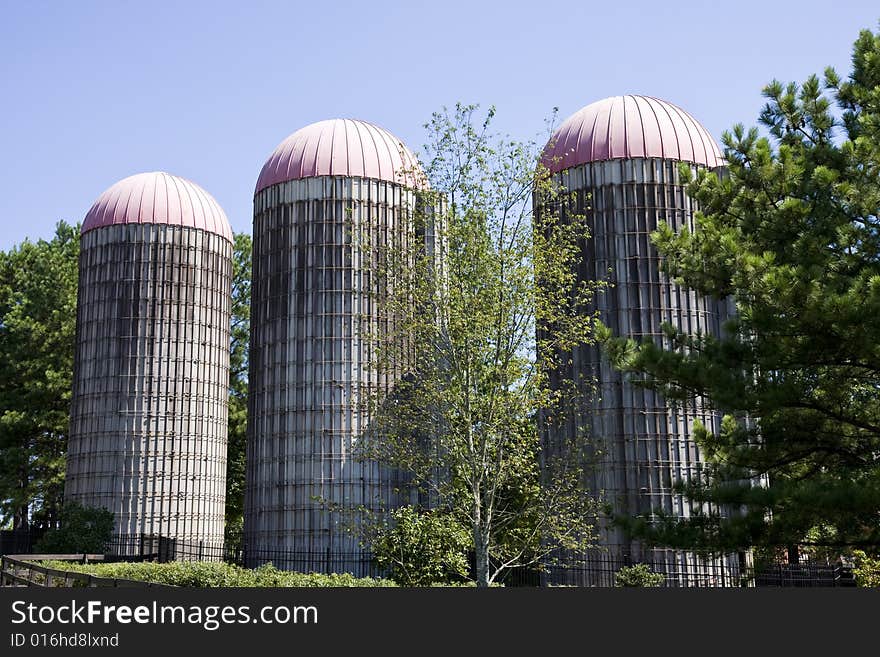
(866, 569)
(238, 382)
(83, 530)
(462, 421)
(38, 282)
(421, 547)
(638, 575)
(792, 233)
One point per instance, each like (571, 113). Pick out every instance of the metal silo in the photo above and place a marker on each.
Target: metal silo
(151, 374)
(326, 191)
(620, 156)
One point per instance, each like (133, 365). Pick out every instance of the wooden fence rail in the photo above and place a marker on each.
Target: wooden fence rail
(19, 570)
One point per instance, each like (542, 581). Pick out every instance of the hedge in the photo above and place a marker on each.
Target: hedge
(212, 574)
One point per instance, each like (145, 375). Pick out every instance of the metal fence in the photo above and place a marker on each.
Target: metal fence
(599, 571)
(804, 575)
(20, 570)
(19, 541)
(680, 569)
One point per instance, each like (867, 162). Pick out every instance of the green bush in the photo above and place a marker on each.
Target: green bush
(83, 529)
(214, 574)
(866, 570)
(421, 548)
(638, 575)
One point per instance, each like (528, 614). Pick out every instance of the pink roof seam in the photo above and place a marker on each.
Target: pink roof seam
(345, 141)
(592, 139)
(608, 135)
(641, 124)
(177, 198)
(688, 134)
(375, 152)
(209, 215)
(677, 155)
(362, 147)
(318, 151)
(140, 210)
(684, 116)
(113, 216)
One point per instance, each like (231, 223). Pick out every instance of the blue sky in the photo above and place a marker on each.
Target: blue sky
(95, 91)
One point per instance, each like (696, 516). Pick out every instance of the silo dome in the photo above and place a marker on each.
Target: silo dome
(158, 198)
(340, 147)
(627, 127)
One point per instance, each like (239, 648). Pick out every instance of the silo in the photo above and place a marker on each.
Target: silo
(620, 158)
(327, 198)
(151, 370)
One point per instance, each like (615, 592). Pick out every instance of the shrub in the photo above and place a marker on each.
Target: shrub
(83, 529)
(866, 569)
(638, 575)
(421, 548)
(200, 574)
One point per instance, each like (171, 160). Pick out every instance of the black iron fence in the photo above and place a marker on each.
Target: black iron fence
(804, 575)
(599, 570)
(19, 541)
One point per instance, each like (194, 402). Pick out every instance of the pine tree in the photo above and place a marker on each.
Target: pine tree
(792, 233)
(238, 368)
(38, 283)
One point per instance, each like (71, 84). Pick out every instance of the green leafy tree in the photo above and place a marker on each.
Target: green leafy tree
(465, 315)
(792, 234)
(420, 548)
(38, 282)
(866, 569)
(638, 575)
(238, 366)
(83, 530)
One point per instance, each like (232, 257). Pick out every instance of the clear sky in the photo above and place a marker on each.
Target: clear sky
(93, 92)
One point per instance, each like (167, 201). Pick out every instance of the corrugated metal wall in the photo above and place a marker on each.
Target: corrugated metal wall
(314, 298)
(643, 444)
(151, 377)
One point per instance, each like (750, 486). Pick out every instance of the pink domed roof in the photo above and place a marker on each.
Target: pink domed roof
(340, 147)
(627, 127)
(158, 198)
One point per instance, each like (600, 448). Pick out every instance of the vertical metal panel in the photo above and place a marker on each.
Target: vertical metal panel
(150, 395)
(313, 301)
(643, 444)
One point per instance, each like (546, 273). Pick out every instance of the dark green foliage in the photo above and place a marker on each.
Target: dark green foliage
(638, 575)
(238, 382)
(82, 530)
(793, 235)
(866, 569)
(210, 574)
(420, 548)
(38, 282)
